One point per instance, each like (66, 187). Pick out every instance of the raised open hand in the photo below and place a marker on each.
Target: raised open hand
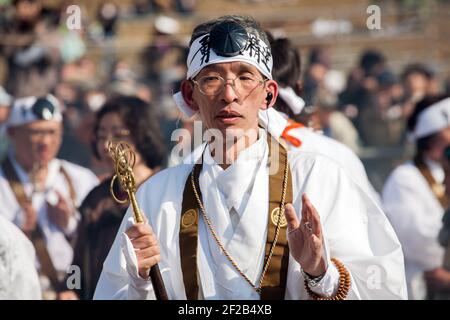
(305, 238)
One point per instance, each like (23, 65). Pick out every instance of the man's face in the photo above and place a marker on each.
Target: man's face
(233, 110)
(36, 142)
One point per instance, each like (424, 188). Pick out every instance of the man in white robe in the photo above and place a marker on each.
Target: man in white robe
(416, 209)
(286, 71)
(344, 222)
(52, 188)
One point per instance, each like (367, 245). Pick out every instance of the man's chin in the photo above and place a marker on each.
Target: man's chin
(44, 160)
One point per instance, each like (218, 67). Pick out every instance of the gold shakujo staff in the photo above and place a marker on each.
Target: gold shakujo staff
(124, 159)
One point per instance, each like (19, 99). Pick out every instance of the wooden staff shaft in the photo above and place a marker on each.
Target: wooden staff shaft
(155, 274)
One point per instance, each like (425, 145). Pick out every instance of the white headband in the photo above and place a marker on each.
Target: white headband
(433, 119)
(294, 102)
(23, 110)
(256, 53)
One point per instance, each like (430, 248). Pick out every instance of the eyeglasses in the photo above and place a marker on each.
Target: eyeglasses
(116, 135)
(215, 84)
(39, 134)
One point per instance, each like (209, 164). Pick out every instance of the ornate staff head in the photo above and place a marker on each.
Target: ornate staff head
(124, 159)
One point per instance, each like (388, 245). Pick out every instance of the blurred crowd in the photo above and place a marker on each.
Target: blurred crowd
(43, 59)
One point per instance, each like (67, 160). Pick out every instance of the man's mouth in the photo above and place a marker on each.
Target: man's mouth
(228, 117)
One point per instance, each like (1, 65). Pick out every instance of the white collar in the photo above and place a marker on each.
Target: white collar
(273, 121)
(238, 178)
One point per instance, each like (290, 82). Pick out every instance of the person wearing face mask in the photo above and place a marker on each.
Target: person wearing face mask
(415, 199)
(39, 192)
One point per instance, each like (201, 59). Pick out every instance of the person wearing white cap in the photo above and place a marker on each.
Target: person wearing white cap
(252, 220)
(40, 193)
(415, 198)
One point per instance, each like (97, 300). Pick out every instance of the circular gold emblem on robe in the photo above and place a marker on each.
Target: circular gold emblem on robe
(189, 218)
(275, 215)
(438, 189)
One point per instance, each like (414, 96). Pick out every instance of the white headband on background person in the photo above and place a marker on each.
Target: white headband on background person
(29, 109)
(294, 102)
(432, 120)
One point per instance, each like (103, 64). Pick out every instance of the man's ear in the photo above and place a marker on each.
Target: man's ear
(271, 94)
(187, 90)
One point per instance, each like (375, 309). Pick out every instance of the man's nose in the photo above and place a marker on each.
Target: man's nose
(229, 93)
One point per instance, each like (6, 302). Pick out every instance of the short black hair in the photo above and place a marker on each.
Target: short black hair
(286, 62)
(286, 69)
(249, 23)
(139, 117)
(370, 59)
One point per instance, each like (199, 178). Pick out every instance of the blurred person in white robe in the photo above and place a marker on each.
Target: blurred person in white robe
(18, 277)
(414, 197)
(40, 193)
(329, 216)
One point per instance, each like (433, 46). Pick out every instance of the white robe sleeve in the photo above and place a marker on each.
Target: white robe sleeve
(355, 228)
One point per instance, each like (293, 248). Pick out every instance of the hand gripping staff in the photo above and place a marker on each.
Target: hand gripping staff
(124, 159)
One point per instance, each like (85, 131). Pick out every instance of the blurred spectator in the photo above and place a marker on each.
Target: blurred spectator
(362, 82)
(334, 124)
(164, 59)
(124, 81)
(133, 121)
(80, 106)
(382, 122)
(372, 99)
(417, 81)
(30, 43)
(163, 6)
(143, 7)
(185, 6)
(164, 63)
(318, 65)
(40, 193)
(107, 15)
(286, 71)
(82, 71)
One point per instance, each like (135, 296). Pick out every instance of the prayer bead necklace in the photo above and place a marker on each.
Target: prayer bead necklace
(219, 243)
